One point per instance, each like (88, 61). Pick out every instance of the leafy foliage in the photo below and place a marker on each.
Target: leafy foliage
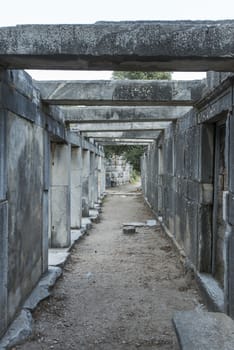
(131, 153)
(142, 75)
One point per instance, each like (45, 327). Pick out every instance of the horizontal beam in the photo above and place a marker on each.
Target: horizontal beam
(122, 114)
(117, 139)
(119, 126)
(150, 45)
(121, 92)
(138, 134)
(125, 143)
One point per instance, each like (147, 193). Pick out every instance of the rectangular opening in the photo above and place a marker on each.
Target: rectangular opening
(220, 186)
(3, 265)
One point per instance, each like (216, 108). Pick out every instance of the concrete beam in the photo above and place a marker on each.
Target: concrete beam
(151, 45)
(121, 92)
(138, 134)
(119, 142)
(122, 114)
(118, 139)
(119, 126)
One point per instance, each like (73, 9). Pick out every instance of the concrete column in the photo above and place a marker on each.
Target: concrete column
(76, 187)
(229, 218)
(96, 178)
(103, 175)
(46, 223)
(99, 177)
(92, 180)
(85, 182)
(60, 195)
(143, 174)
(3, 221)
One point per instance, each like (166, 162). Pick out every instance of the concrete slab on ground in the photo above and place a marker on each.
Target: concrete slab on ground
(18, 331)
(86, 223)
(129, 229)
(93, 213)
(211, 292)
(58, 257)
(76, 235)
(42, 290)
(199, 330)
(21, 327)
(147, 223)
(151, 223)
(113, 193)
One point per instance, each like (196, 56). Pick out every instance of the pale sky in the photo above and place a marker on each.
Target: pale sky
(87, 11)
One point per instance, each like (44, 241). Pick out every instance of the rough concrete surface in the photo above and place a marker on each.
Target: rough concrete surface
(129, 229)
(211, 291)
(198, 330)
(21, 327)
(121, 92)
(140, 45)
(19, 330)
(42, 290)
(117, 291)
(148, 134)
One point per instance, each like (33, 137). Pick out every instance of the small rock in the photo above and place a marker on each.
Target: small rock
(129, 230)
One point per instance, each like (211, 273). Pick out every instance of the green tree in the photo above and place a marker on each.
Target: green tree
(141, 75)
(133, 153)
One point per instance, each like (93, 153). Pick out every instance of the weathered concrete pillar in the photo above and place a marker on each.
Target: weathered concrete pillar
(60, 195)
(76, 187)
(96, 180)
(46, 227)
(206, 180)
(229, 218)
(85, 182)
(143, 174)
(3, 225)
(92, 180)
(103, 175)
(99, 165)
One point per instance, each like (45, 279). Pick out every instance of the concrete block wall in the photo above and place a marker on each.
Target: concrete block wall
(118, 171)
(22, 185)
(40, 188)
(178, 181)
(174, 187)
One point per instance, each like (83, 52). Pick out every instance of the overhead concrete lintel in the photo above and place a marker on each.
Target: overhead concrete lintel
(125, 143)
(142, 45)
(122, 92)
(119, 126)
(122, 114)
(125, 140)
(138, 134)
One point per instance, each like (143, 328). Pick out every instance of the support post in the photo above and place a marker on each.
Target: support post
(76, 187)
(60, 195)
(92, 180)
(85, 182)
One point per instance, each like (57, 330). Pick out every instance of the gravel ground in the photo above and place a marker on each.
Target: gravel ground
(118, 292)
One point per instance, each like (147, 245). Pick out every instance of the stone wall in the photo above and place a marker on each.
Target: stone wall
(118, 171)
(183, 183)
(40, 187)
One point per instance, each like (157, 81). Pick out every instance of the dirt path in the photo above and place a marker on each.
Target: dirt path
(118, 292)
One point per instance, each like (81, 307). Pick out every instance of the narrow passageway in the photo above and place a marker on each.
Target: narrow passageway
(117, 291)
